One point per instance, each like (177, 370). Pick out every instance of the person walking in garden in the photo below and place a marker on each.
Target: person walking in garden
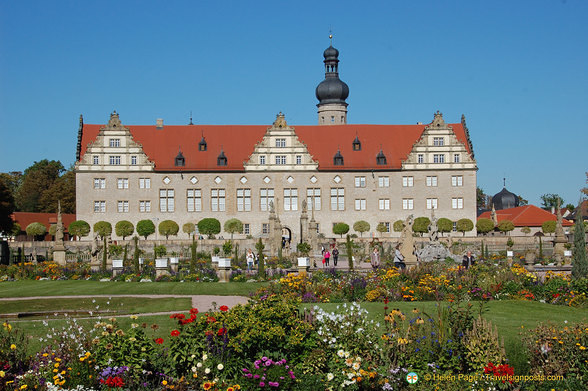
(327, 256)
(250, 259)
(335, 255)
(399, 258)
(468, 260)
(375, 259)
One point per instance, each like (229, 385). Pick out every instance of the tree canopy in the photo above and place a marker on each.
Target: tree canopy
(6, 207)
(36, 229)
(340, 229)
(188, 228)
(464, 225)
(103, 228)
(145, 228)
(79, 228)
(209, 226)
(549, 201)
(548, 227)
(233, 226)
(381, 228)
(483, 226)
(421, 225)
(444, 225)
(36, 180)
(168, 227)
(361, 226)
(398, 226)
(505, 226)
(124, 228)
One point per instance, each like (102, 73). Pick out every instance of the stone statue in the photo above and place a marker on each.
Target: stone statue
(407, 243)
(304, 206)
(433, 229)
(272, 208)
(59, 228)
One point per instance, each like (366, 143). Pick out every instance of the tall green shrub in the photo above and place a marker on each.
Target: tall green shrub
(193, 255)
(136, 265)
(340, 229)
(349, 248)
(124, 228)
(579, 261)
(209, 226)
(145, 228)
(259, 246)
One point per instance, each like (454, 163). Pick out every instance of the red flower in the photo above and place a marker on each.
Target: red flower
(159, 341)
(221, 331)
(224, 308)
(194, 311)
(175, 333)
(211, 319)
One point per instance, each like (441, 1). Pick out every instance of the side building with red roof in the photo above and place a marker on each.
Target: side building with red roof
(526, 216)
(339, 172)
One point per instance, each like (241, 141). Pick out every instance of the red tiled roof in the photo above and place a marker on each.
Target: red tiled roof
(238, 142)
(26, 218)
(525, 216)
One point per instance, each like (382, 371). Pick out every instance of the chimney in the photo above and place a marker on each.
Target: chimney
(159, 123)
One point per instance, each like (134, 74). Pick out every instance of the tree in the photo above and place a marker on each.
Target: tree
(189, 228)
(168, 227)
(381, 228)
(124, 228)
(579, 261)
(421, 225)
(37, 179)
(585, 190)
(361, 226)
(349, 246)
(233, 226)
(505, 226)
(259, 246)
(16, 229)
(548, 227)
(103, 228)
(79, 228)
(36, 229)
(522, 201)
(62, 189)
(444, 225)
(482, 200)
(6, 207)
(398, 226)
(549, 201)
(526, 230)
(52, 229)
(570, 207)
(145, 228)
(12, 180)
(209, 226)
(464, 225)
(340, 229)
(483, 226)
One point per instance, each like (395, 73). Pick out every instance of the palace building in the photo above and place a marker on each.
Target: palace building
(338, 172)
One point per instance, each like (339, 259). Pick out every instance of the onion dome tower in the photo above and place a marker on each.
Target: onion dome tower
(332, 92)
(505, 199)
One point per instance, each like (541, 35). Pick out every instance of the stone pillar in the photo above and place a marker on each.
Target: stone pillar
(559, 240)
(304, 223)
(224, 270)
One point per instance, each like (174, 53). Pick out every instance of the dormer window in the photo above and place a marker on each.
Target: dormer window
(202, 145)
(221, 160)
(356, 144)
(180, 160)
(381, 159)
(338, 159)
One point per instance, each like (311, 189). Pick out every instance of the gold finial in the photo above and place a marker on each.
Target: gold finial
(331, 35)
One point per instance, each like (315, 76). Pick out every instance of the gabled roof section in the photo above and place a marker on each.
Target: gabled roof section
(239, 141)
(525, 216)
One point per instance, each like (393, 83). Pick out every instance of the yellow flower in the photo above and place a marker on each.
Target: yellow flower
(2, 374)
(13, 347)
(164, 382)
(23, 387)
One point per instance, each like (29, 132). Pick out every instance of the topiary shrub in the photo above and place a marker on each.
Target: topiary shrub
(103, 229)
(444, 225)
(168, 227)
(464, 225)
(124, 228)
(233, 226)
(548, 227)
(340, 229)
(398, 226)
(209, 226)
(361, 226)
(36, 229)
(505, 226)
(421, 225)
(79, 228)
(145, 228)
(483, 226)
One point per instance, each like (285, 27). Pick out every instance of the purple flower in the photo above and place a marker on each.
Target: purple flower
(264, 358)
(256, 376)
(261, 384)
(268, 363)
(274, 384)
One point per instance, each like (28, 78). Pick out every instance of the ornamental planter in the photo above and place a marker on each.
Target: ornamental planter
(161, 267)
(224, 269)
(117, 266)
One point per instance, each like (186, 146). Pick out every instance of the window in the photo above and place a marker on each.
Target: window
(217, 200)
(407, 181)
(456, 158)
(123, 206)
(359, 181)
(265, 197)
(407, 203)
(290, 199)
(281, 159)
(194, 197)
(313, 198)
(166, 200)
(456, 180)
(438, 141)
(338, 159)
(246, 230)
(438, 158)
(337, 198)
(420, 158)
(180, 160)
(381, 159)
(383, 181)
(144, 183)
(387, 225)
(431, 203)
(99, 183)
(298, 159)
(114, 160)
(384, 204)
(122, 183)
(99, 206)
(133, 160)
(262, 160)
(244, 200)
(95, 160)
(360, 204)
(221, 160)
(144, 206)
(457, 203)
(280, 143)
(114, 142)
(356, 144)
(265, 228)
(432, 181)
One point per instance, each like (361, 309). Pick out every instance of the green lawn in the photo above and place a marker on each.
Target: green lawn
(72, 288)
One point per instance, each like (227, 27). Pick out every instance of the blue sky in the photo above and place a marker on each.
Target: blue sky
(518, 70)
